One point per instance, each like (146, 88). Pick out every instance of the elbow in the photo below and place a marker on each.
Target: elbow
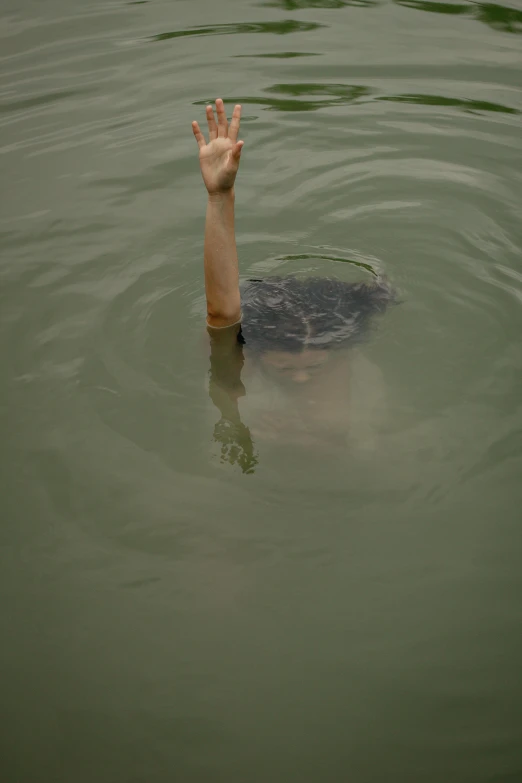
(219, 317)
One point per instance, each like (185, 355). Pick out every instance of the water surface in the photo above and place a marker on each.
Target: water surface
(351, 614)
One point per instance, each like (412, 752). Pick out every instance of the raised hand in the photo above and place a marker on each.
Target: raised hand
(219, 159)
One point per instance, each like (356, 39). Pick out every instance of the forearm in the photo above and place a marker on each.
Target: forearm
(221, 264)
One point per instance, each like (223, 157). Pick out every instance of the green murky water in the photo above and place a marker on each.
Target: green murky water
(351, 614)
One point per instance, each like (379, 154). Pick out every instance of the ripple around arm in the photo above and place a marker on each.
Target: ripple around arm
(320, 256)
(498, 17)
(283, 27)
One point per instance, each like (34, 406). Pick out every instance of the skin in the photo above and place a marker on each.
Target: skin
(219, 162)
(219, 159)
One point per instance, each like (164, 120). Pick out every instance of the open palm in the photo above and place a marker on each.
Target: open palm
(219, 159)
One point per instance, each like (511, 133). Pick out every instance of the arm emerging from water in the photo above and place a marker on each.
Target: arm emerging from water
(219, 162)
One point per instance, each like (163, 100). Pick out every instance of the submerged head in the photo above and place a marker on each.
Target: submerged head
(290, 324)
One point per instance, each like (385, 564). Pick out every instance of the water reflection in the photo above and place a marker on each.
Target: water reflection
(298, 5)
(283, 27)
(336, 95)
(436, 8)
(280, 55)
(498, 17)
(440, 100)
(312, 96)
(340, 93)
(38, 101)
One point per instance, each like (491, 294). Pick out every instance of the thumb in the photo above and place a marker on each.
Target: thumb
(236, 152)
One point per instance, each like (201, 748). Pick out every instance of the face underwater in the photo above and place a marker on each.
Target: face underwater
(296, 367)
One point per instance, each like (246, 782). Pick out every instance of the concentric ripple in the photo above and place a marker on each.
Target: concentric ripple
(171, 615)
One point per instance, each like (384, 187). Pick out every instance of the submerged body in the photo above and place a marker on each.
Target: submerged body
(292, 365)
(289, 338)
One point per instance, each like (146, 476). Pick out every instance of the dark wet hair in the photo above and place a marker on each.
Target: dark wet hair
(290, 314)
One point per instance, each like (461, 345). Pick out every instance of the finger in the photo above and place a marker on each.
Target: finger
(212, 127)
(236, 150)
(234, 125)
(198, 135)
(222, 119)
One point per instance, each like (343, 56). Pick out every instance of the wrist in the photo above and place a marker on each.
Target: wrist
(222, 196)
